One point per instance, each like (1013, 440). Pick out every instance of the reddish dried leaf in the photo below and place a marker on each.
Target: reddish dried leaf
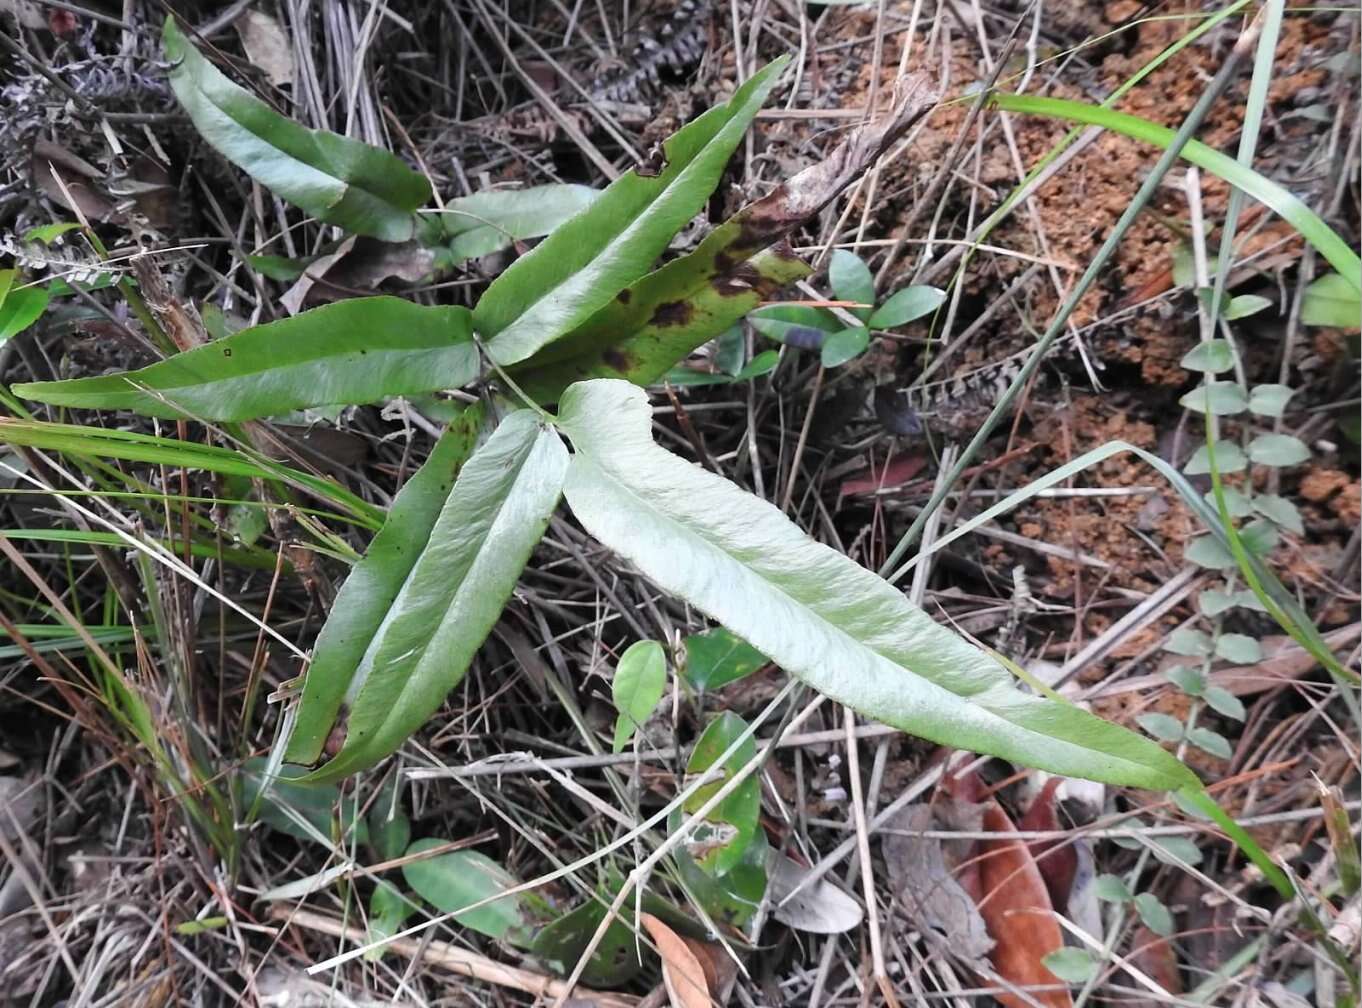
(682, 972)
(1056, 859)
(1154, 956)
(1016, 906)
(896, 473)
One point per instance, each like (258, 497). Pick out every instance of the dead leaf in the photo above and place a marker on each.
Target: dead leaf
(721, 972)
(357, 267)
(1016, 907)
(895, 473)
(820, 908)
(295, 297)
(1056, 860)
(1154, 956)
(50, 160)
(682, 973)
(267, 45)
(931, 893)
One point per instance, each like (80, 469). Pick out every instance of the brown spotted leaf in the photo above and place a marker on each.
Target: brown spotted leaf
(654, 323)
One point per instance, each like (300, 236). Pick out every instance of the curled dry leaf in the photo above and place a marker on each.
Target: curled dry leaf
(1153, 955)
(267, 45)
(682, 972)
(1056, 860)
(1016, 906)
(820, 908)
(932, 895)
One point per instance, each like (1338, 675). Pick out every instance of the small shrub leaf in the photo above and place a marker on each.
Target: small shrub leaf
(1154, 914)
(1072, 965)
(717, 657)
(1223, 702)
(1213, 357)
(1229, 458)
(1279, 511)
(1223, 398)
(1238, 648)
(850, 279)
(1163, 727)
(1278, 450)
(459, 878)
(906, 306)
(1210, 741)
(640, 679)
(1332, 301)
(1245, 305)
(1270, 400)
(843, 346)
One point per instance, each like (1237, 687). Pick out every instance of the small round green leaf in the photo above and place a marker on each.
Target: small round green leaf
(640, 679)
(1163, 727)
(1213, 602)
(1270, 400)
(1222, 398)
(1223, 702)
(843, 346)
(1278, 450)
(1155, 915)
(718, 657)
(851, 280)
(1213, 357)
(1072, 965)
(1229, 458)
(1112, 889)
(1245, 305)
(1175, 850)
(1211, 742)
(1238, 648)
(1259, 537)
(1236, 502)
(1207, 551)
(1189, 642)
(1280, 511)
(1187, 679)
(905, 306)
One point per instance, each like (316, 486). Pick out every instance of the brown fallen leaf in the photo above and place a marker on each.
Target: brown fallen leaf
(1057, 860)
(1154, 956)
(267, 45)
(74, 189)
(1015, 905)
(893, 474)
(682, 972)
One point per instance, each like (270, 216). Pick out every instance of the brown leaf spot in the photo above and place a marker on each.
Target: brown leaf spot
(619, 360)
(672, 313)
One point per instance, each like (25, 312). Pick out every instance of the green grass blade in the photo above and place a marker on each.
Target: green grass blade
(1311, 227)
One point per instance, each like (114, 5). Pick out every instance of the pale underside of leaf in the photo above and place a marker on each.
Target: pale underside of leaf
(372, 587)
(495, 513)
(355, 351)
(815, 612)
(334, 178)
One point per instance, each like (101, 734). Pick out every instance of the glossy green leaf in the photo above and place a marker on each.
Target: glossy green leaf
(20, 308)
(1212, 356)
(367, 596)
(460, 878)
(843, 346)
(815, 612)
(1331, 301)
(717, 843)
(640, 680)
(717, 657)
(1270, 400)
(851, 280)
(1278, 450)
(1328, 242)
(103, 442)
(335, 179)
(1223, 398)
(355, 351)
(906, 306)
(1229, 458)
(489, 221)
(593, 256)
(448, 602)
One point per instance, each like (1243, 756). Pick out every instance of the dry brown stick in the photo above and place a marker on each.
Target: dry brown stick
(447, 957)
